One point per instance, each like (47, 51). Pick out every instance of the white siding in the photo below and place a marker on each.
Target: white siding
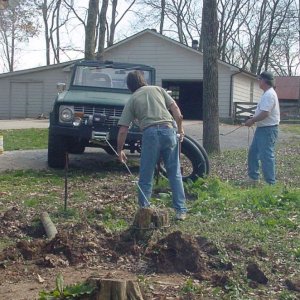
(26, 99)
(257, 92)
(224, 78)
(4, 98)
(172, 62)
(29, 94)
(245, 89)
(36, 89)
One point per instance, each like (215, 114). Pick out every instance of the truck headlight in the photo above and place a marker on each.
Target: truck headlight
(66, 113)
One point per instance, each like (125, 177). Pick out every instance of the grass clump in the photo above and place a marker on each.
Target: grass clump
(24, 139)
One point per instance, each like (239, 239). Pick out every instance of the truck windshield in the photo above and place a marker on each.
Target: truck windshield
(104, 77)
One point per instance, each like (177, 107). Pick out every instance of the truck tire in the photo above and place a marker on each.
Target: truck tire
(193, 162)
(56, 151)
(192, 155)
(75, 147)
(204, 153)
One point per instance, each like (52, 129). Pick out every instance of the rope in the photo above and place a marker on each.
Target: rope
(248, 139)
(224, 134)
(129, 171)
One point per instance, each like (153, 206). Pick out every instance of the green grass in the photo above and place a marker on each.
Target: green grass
(24, 139)
(265, 218)
(221, 208)
(292, 128)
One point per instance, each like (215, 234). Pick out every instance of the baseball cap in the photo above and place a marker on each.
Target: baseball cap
(266, 75)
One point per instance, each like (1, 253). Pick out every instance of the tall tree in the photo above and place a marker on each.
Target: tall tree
(90, 30)
(53, 21)
(232, 16)
(210, 77)
(114, 22)
(17, 25)
(102, 30)
(162, 16)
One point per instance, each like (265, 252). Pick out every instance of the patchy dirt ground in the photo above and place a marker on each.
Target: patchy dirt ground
(82, 250)
(162, 265)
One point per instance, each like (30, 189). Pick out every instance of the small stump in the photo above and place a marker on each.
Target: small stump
(147, 220)
(119, 289)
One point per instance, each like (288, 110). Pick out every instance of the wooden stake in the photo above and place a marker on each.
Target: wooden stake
(66, 180)
(50, 228)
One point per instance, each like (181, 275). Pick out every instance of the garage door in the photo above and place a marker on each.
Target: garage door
(26, 99)
(188, 95)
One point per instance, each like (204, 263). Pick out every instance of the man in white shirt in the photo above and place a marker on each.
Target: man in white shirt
(267, 118)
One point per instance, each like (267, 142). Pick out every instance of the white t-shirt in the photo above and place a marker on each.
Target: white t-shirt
(268, 102)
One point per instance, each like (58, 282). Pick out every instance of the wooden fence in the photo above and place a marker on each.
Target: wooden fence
(242, 111)
(289, 110)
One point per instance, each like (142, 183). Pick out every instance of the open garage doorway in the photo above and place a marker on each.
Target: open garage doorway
(188, 95)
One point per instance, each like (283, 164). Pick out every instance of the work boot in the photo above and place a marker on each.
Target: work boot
(180, 216)
(251, 182)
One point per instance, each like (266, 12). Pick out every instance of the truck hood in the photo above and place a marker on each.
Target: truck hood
(93, 97)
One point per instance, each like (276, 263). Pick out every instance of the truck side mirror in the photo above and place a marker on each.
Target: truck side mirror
(61, 87)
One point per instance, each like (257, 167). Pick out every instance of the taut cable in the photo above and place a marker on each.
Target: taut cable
(134, 181)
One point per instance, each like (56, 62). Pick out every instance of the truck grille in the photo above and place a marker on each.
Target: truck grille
(112, 114)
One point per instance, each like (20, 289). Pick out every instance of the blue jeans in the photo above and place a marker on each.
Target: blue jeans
(156, 143)
(262, 149)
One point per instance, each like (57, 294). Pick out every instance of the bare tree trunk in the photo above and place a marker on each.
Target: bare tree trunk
(112, 23)
(102, 29)
(210, 77)
(90, 28)
(46, 31)
(162, 16)
(272, 32)
(12, 54)
(57, 32)
(179, 8)
(258, 37)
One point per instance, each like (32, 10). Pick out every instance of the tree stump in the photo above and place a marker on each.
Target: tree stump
(115, 289)
(147, 220)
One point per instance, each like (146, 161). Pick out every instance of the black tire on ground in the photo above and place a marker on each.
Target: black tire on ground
(203, 151)
(56, 151)
(191, 154)
(192, 161)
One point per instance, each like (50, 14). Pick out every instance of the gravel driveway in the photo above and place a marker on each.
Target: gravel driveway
(231, 137)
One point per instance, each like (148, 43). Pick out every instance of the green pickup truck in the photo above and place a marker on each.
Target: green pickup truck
(87, 114)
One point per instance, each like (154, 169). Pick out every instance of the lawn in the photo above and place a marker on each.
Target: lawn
(242, 226)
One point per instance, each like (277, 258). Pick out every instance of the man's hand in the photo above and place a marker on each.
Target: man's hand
(120, 143)
(122, 157)
(181, 136)
(249, 122)
(261, 116)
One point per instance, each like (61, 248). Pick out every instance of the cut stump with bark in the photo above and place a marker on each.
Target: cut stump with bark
(147, 220)
(115, 289)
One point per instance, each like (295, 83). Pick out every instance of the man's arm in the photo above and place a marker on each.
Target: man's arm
(178, 118)
(122, 134)
(261, 116)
